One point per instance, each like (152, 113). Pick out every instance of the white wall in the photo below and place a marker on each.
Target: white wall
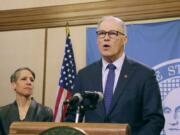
(17, 49)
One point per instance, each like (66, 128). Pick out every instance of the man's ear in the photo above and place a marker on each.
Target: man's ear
(125, 40)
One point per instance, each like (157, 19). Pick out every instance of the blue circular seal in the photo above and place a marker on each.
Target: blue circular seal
(168, 76)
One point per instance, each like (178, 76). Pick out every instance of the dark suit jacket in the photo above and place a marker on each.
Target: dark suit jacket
(10, 113)
(136, 100)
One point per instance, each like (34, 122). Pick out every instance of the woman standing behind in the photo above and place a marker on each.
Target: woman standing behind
(24, 108)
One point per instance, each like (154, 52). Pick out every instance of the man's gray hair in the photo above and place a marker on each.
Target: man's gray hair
(121, 23)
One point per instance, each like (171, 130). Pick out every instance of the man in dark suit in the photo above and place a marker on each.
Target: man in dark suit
(131, 92)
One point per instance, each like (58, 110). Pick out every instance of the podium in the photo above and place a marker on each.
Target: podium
(34, 128)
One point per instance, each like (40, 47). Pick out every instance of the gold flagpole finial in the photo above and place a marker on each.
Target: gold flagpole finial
(67, 29)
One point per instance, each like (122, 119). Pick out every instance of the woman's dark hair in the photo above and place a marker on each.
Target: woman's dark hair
(15, 75)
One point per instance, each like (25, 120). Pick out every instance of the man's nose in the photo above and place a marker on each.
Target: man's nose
(107, 37)
(174, 120)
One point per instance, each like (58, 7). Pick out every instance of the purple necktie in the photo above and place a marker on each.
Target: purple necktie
(108, 93)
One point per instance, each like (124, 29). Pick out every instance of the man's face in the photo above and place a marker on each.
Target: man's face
(111, 46)
(171, 109)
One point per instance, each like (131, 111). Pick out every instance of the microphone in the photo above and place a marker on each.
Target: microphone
(94, 96)
(81, 102)
(74, 100)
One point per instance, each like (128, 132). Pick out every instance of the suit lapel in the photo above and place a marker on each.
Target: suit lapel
(99, 76)
(98, 82)
(14, 112)
(31, 111)
(125, 75)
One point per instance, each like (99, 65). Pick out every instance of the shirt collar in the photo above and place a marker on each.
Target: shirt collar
(118, 63)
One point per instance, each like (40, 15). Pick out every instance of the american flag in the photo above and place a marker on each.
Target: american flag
(66, 81)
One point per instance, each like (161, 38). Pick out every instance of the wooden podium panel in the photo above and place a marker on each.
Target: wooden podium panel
(34, 128)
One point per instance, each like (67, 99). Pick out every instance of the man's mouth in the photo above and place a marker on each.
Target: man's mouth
(105, 46)
(174, 129)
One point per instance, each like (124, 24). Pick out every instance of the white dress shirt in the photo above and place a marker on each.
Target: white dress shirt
(118, 63)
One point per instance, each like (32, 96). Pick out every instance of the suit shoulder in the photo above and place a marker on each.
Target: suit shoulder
(141, 71)
(4, 109)
(45, 113)
(91, 67)
(43, 108)
(140, 66)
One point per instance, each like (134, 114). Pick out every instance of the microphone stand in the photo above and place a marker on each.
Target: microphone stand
(78, 109)
(77, 114)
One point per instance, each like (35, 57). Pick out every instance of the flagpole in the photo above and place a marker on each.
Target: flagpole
(45, 65)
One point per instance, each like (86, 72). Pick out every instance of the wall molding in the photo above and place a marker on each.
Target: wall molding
(87, 13)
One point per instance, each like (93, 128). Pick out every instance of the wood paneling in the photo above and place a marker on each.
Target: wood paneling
(35, 128)
(87, 13)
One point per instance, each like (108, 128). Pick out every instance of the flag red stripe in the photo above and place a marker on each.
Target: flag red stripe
(58, 100)
(64, 110)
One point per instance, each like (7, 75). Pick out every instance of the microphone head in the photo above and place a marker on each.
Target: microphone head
(78, 95)
(95, 95)
(100, 94)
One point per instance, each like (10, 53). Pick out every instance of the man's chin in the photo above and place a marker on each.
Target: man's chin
(107, 55)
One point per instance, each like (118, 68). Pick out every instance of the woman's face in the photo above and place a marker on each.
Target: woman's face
(24, 83)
